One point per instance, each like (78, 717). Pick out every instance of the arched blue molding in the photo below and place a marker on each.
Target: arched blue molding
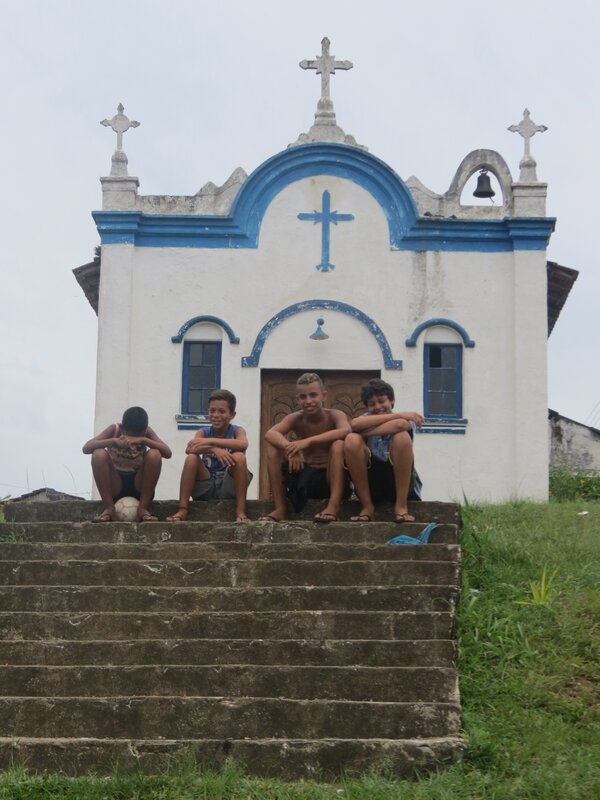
(178, 338)
(241, 227)
(329, 305)
(448, 323)
(339, 160)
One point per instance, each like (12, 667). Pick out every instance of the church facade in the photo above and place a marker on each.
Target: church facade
(324, 259)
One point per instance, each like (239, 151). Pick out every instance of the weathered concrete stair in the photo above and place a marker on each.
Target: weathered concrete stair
(299, 649)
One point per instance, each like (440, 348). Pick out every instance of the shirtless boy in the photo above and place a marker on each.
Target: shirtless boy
(379, 453)
(126, 462)
(312, 465)
(215, 465)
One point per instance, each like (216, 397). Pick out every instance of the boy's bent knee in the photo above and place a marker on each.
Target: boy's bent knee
(401, 439)
(152, 456)
(354, 441)
(240, 460)
(100, 457)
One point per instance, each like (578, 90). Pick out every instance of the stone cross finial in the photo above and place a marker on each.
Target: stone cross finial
(527, 128)
(325, 65)
(120, 123)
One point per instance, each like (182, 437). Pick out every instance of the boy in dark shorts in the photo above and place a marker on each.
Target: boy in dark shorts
(126, 462)
(379, 454)
(215, 466)
(312, 465)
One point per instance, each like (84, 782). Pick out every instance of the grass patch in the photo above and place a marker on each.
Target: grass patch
(567, 486)
(530, 681)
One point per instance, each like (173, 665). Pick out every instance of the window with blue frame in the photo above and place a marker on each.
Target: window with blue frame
(442, 388)
(201, 375)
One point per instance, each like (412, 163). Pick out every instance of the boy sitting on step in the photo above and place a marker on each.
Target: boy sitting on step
(126, 462)
(312, 465)
(215, 466)
(379, 454)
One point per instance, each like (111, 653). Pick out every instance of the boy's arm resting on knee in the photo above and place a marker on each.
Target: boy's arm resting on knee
(340, 431)
(152, 441)
(390, 427)
(239, 444)
(370, 422)
(102, 440)
(277, 435)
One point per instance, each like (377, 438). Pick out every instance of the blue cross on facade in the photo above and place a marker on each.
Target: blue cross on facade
(325, 217)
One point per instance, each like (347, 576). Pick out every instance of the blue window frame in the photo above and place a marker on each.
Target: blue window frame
(201, 375)
(442, 384)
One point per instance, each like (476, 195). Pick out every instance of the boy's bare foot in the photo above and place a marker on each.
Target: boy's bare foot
(145, 516)
(363, 517)
(104, 516)
(242, 518)
(325, 516)
(274, 516)
(179, 516)
(404, 517)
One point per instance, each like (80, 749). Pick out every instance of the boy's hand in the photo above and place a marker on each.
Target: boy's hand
(224, 456)
(195, 447)
(124, 439)
(415, 417)
(296, 463)
(296, 447)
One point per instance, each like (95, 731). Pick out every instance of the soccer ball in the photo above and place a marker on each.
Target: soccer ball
(126, 509)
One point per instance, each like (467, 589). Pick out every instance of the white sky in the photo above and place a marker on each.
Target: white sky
(217, 85)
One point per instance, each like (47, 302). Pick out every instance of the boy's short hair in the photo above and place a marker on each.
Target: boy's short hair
(310, 377)
(376, 388)
(224, 394)
(135, 420)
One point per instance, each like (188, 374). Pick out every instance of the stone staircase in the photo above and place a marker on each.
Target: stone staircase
(300, 650)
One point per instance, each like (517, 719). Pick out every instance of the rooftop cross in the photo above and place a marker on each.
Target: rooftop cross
(325, 217)
(527, 128)
(120, 123)
(325, 65)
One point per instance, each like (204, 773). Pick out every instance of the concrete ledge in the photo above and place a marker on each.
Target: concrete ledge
(71, 511)
(306, 652)
(289, 758)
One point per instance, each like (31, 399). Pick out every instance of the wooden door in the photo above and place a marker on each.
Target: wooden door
(278, 398)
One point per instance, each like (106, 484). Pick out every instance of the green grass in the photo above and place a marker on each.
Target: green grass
(529, 671)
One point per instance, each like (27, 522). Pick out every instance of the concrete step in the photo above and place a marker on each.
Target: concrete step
(176, 551)
(17, 625)
(73, 511)
(303, 652)
(292, 758)
(174, 598)
(218, 717)
(295, 532)
(229, 572)
(300, 649)
(380, 684)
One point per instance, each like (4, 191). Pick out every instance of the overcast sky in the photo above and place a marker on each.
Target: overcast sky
(216, 86)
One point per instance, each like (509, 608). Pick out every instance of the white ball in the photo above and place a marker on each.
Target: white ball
(126, 509)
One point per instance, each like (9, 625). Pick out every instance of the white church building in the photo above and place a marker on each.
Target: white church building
(324, 259)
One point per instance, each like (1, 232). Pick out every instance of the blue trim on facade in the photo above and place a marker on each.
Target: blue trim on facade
(241, 228)
(430, 323)
(328, 305)
(442, 429)
(185, 377)
(191, 422)
(449, 419)
(178, 338)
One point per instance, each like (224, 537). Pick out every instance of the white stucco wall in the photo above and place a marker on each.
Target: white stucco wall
(499, 298)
